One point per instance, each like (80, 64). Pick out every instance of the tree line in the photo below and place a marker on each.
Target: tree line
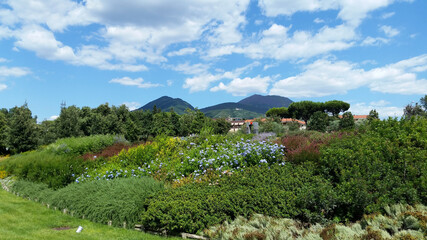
(20, 132)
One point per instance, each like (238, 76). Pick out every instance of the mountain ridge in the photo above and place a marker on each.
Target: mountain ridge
(249, 107)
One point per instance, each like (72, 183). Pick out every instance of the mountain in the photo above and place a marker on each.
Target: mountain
(263, 103)
(165, 103)
(250, 107)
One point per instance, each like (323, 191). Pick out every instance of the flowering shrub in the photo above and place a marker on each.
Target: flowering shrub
(173, 158)
(3, 174)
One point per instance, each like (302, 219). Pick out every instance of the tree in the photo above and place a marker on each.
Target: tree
(411, 110)
(23, 130)
(423, 102)
(48, 132)
(335, 107)
(68, 122)
(347, 121)
(281, 112)
(318, 121)
(304, 109)
(222, 126)
(373, 115)
(3, 133)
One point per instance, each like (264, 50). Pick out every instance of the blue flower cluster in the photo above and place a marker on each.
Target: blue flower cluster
(196, 160)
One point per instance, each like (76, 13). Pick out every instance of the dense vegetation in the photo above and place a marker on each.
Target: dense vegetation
(188, 184)
(19, 131)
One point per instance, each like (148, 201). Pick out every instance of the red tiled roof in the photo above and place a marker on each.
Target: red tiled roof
(285, 120)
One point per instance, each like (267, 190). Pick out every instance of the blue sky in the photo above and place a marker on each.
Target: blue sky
(372, 54)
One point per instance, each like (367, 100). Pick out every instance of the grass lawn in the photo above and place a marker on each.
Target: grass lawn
(24, 219)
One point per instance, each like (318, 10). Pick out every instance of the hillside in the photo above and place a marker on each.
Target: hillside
(166, 103)
(250, 107)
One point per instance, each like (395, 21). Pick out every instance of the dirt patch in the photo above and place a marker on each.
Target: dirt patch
(108, 152)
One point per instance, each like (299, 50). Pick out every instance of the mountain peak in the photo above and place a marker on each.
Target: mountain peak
(167, 103)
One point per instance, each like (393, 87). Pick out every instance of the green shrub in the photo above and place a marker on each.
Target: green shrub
(385, 164)
(283, 191)
(54, 170)
(35, 191)
(118, 200)
(81, 145)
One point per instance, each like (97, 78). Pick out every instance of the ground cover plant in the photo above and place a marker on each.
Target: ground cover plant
(172, 159)
(56, 164)
(117, 201)
(24, 219)
(398, 222)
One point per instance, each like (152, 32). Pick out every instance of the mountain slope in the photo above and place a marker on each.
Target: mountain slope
(250, 107)
(166, 103)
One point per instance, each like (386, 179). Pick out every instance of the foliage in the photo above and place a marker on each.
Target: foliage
(305, 146)
(304, 109)
(57, 164)
(118, 200)
(170, 159)
(282, 191)
(80, 145)
(347, 121)
(23, 219)
(273, 127)
(318, 121)
(384, 226)
(3, 134)
(335, 107)
(373, 115)
(385, 164)
(281, 112)
(22, 134)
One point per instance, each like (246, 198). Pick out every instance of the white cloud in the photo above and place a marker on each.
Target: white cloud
(2, 60)
(389, 31)
(242, 87)
(137, 82)
(182, 51)
(13, 71)
(370, 41)
(321, 78)
(318, 20)
(324, 77)
(387, 15)
(54, 117)
(384, 110)
(169, 82)
(203, 79)
(277, 43)
(132, 105)
(2, 86)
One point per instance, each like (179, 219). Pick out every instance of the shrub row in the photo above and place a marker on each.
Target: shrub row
(118, 200)
(57, 164)
(283, 191)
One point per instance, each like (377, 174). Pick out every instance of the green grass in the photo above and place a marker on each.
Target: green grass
(24, 219)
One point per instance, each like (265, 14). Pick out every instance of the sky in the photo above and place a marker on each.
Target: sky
(369, 53)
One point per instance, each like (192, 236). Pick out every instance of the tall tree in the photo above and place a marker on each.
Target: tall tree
(373, 115)
(347, 121)
(318, 121)
(335, 107)
(3, 133)
(23, 130)
(304, 109)
(281, 112)
(68, 122)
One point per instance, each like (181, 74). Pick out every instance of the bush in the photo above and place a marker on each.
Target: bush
(173, 158)
(385, 164)
(81, 145)
(283, 191)
(54, 170)
(118, 200)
